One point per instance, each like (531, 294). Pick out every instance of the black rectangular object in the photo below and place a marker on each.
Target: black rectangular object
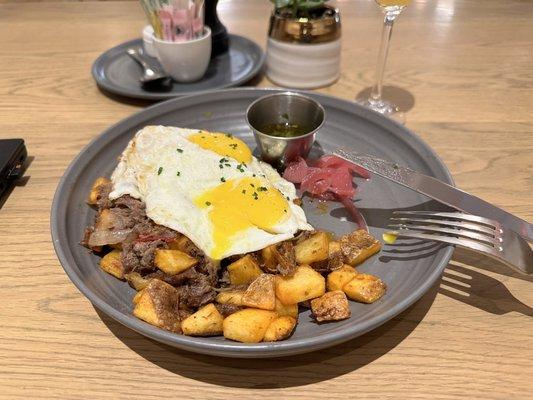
(12, 160)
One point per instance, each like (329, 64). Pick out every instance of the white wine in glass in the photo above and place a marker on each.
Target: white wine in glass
(393, 3)
(391, 9)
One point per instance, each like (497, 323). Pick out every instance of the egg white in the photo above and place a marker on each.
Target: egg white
(167, 180)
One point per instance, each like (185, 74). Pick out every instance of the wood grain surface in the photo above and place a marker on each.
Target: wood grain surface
(465, 70)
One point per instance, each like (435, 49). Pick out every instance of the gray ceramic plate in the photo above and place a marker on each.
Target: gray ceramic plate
(115, 72)
(408, 270)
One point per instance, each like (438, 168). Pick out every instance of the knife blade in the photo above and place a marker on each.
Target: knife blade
(439, 191)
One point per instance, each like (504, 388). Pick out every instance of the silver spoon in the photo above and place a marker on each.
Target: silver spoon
(151, 78)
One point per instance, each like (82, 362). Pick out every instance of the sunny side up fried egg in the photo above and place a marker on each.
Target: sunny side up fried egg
(209, 187)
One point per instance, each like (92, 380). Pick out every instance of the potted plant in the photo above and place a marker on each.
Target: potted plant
(304, 47)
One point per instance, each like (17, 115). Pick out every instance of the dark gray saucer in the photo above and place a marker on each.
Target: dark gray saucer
(115, 72)
(408, 269)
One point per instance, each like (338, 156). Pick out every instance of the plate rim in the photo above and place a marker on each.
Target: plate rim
(237, 350)
(105, 84)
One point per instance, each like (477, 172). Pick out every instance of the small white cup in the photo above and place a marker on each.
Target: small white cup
(185, 61)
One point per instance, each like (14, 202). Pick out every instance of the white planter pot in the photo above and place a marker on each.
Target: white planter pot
(303, 66)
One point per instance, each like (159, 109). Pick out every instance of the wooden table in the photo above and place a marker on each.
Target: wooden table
(468, 65)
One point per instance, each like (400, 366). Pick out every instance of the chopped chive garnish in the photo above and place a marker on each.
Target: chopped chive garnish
(207, 203)
(284, 210)
(229, 135)
(255, 195)
(223, 160)
(179, 150)
(233, 146)
(227, 165)
(223, 179)
(159, 170)
(178, 173)
(244, 191)
(287, 197)
(253, 175)
(220, 166)
(262, 189)
(252, 185)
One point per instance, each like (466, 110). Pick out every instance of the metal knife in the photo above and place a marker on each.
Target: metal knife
(439, 191)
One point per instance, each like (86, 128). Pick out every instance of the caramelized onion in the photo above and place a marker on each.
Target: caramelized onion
(103, 237)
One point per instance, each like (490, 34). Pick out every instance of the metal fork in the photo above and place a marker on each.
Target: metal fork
(466, 230)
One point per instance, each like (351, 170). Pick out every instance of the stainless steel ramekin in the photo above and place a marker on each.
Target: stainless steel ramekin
(280, 108)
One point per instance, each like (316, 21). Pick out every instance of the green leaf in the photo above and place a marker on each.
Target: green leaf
(281, 3)
(310, 4)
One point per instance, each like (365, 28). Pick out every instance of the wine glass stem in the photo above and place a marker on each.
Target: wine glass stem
(388, 22)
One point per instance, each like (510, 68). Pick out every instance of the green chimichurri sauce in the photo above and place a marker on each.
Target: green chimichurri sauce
(284, 130)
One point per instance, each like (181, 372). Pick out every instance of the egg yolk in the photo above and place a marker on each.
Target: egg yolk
(223, 144)
(240, 204)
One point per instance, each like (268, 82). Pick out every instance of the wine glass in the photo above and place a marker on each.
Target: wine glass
(391, 9)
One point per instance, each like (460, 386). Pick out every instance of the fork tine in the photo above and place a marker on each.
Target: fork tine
(471, 244)
(455, 232)
(457, 215)
(460, 224)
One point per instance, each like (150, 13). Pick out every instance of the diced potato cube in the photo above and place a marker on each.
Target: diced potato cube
(261, 293)
(365, 288)
(280, 329)
(358, 246)
(335, 255)
(279, 258)
(112, 264)
(365, 253)
(305, 284)
(137, 297)
(95, 192)
(173, 262)
(230, 297)
(334, 250)
(243, 271)
(207, 321)
(158, 304)
(248, 325)
(145, 308)
(291, 309)
(136, 280)
(269, 257)
(337, 279)
(332, 306)
(313, 249)
(334, 261)
(333, 247)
